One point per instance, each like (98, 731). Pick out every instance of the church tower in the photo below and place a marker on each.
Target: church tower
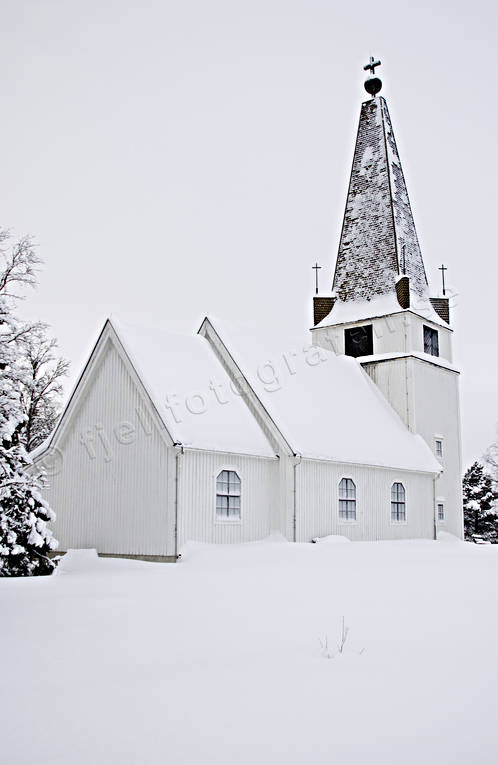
(380, 310)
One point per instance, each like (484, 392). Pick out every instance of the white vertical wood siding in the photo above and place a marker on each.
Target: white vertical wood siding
(426, 396)
(197, 497)
(393, 377)
(318, 498)
(437, 407)
(109, 495)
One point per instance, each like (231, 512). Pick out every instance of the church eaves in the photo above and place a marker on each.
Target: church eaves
(378, 241)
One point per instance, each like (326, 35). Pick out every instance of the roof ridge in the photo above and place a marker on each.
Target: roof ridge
(389, 177)
(386, 119)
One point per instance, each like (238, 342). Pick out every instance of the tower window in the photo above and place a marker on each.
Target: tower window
(398, 502)
(440, 511)
(431, 341)
(347, 500)
(439, 448)
(228, 495)
(358, 341)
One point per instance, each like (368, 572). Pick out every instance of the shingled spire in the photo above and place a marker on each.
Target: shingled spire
(378, 240)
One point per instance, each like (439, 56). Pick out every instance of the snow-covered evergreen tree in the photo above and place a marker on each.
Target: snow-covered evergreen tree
(478, 501)
(25, 539)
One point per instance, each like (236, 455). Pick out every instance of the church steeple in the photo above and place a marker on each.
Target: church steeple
(378, 241)
(380, 311)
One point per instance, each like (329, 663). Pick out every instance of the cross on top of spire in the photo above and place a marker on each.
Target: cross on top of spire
(373, 84)
(373, 63)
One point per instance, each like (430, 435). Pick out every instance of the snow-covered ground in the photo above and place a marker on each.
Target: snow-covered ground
(218, 659)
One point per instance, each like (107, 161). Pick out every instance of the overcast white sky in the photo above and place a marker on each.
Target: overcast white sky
(181, 157)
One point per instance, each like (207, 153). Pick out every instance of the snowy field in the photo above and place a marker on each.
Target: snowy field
(218, 659)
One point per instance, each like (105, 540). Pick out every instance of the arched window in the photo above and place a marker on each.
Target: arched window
(347, 500)
(398, 502)
(228, 495)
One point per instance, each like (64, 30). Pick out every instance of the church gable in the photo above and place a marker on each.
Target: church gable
(105, 385)
(112, 408)
(115, 480)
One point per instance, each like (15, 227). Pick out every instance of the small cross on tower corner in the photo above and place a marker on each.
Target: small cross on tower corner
(443, 269)
(316, 268)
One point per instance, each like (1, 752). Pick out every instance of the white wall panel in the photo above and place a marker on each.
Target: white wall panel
(318, 497)
(197, 499)
(437, 407)
(393, 378)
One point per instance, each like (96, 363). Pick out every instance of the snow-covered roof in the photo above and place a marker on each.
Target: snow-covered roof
(186, 384)
(347, 312)
(325, 406)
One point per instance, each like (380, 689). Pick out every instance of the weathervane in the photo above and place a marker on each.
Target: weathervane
(316, 268)
(373, 84)
(443, 269)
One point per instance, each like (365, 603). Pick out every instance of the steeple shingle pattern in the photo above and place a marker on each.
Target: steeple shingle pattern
(378, 239)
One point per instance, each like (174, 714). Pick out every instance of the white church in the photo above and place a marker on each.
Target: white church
(227, 436)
